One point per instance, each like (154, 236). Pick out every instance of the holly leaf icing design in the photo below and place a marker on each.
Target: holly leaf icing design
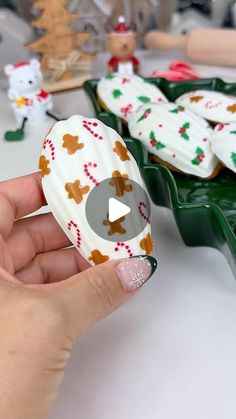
(144, 115)
(233, 132)
(154, 142)
(177, 109)
(144, 99)
(183, 131)
(117, 93)
(233, 158)
(109, 77)
(199, 156)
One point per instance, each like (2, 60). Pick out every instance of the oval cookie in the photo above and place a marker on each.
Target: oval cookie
(176, 136)
(224, 144)
(124, 95)
(78, 154)
(213, 106)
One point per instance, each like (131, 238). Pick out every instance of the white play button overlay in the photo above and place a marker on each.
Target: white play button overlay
(116, 209)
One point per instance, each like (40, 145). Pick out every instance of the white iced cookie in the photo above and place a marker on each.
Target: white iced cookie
(176, 136)
(78, 154)
(123, 95)
(223, 144)
(213, 106)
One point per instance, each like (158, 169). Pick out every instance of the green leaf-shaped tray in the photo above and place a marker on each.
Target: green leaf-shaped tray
(204, 210)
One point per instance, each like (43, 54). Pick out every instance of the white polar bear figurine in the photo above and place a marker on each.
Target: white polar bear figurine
(27, 98)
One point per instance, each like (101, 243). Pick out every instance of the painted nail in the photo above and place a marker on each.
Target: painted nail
(135, 271)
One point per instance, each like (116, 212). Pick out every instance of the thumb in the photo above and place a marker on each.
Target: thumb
(97, 291)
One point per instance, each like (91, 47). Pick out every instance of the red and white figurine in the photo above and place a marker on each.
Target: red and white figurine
(27, 98)
(29, 102)
(122, 42)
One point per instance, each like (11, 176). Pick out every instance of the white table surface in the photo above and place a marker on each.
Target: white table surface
(170, 352)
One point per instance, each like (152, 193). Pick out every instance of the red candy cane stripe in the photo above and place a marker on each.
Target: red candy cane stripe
(51, 146)
(143, 205)
(72, 225)
(127, 248)
(88, 125)
(88, 174)
(211, 104)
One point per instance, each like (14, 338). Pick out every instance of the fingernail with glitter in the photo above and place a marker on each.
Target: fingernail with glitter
(135, 271)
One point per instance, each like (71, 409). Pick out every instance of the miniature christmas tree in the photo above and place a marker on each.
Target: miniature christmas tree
(59, 46)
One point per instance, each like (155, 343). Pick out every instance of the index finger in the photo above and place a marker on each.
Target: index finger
(19, 197)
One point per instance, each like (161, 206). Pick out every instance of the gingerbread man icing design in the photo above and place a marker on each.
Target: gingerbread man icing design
(97, 257)
(121, 151)
(120, 182)
(79, 155)
(71, 143)
(76, 191)
(115, 226)
(44, 166)
(146, 244)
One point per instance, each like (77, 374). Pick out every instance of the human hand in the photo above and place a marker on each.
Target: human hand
(49, 295)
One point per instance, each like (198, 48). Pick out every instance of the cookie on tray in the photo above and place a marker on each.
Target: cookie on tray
(223, 143)
(176, 137)
(123, 95)
(214, 106)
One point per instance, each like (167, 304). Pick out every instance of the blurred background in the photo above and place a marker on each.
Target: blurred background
(96, 16)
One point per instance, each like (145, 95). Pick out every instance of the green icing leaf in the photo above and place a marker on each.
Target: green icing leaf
(144, 99)
(152, 135)
(160, 145)
(232, 132)
(109, 77)
(186, 125)
(199, 151)
(116, 93)
(185, 136)
(196, 162)
(233, 158)
(177, 110)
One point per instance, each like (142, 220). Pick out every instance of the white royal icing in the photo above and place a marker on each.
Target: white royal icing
(90, 162)
(123, 95)
(176, 136)
(211, 105)
(223, 143)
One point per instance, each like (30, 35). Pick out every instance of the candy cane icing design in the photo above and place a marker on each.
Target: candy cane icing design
(211, 105)
(125, 246)
(87, 172)
(72, 225)
(90, 127)
(51, 147)
(141, 212)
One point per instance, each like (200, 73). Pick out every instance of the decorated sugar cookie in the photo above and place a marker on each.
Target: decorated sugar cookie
(213, 106)
(223, 143)
(78, 155)
(176, 136)
(123, 95)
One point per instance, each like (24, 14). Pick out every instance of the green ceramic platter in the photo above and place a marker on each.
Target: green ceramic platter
(204, 210)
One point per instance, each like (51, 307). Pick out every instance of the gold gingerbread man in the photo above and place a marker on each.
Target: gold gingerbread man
(76, 191)
(119, 181)
(115, 226)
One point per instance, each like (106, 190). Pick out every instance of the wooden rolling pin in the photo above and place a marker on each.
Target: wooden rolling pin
(206, 46)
